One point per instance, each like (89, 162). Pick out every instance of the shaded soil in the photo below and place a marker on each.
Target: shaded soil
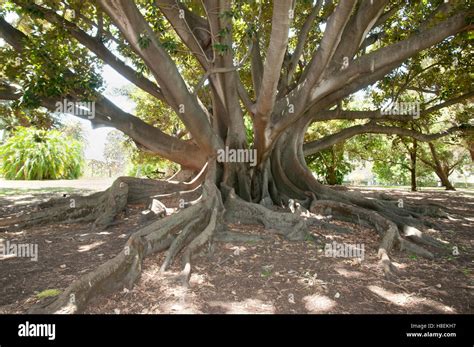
(268, 276)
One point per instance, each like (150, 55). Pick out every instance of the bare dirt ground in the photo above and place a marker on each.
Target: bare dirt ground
(268, 276)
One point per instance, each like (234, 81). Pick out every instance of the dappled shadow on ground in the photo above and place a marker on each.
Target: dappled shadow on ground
(65, 252)
(269, 276)
(12, 200)
(277, 276)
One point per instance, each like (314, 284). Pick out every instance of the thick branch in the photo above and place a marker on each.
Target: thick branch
(371, 128)
(193, 32)
(144, 42)
(8, 92)
(450, 102)
(371, 67)
(331, 39)
(275, 55)
(256, 65)
(378, 115)
(393, 54)
(182, 152)
(12, 36)
(96, 46)
(356, 31)
(303, 35)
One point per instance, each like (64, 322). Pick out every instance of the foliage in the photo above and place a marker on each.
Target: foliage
(33, 154)
(390, 157)
(444, 70)
(73, 129)
(46, 70)
(115, 153)
(143, 165)
(330, 164)
(95, 168)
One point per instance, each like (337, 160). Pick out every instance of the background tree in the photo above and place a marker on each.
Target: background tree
(75, 130)
(444, 159)
(331, 164)
(115, 153)
(392, 158)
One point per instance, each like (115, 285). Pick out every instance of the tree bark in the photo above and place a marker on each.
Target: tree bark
(439, 169)
(413, 165)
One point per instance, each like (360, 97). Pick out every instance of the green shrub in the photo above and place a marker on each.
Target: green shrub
(32, 154)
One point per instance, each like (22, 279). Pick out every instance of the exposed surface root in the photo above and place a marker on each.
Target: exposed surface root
(174, 199)
(197, 243)
(419, 237)
(183, 234)
(100, 207)
(387, 229)
(178, 243)
(172, 233)
(408, 218)
(289, 225)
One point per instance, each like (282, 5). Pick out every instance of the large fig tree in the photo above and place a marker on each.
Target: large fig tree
(245, 79)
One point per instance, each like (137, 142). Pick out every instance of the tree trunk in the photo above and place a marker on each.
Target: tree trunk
(470, 148)
(331, 177)
(445, 182)
(440, 170)
(413, 165)
(228, 197)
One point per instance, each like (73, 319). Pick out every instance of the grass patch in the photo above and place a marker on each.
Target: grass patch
(48, 293)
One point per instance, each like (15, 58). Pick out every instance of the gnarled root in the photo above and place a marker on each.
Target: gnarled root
(189, 229)
(387, 229)
(289, 225)
(407, 219)
(100, 207)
